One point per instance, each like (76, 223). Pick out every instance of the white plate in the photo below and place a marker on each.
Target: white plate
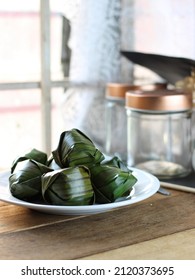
(146, 186)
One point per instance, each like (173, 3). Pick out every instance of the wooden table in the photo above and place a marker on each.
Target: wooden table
(160, 227)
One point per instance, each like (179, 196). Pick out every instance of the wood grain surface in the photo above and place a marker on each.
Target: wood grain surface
(177, 246)
(26, 234)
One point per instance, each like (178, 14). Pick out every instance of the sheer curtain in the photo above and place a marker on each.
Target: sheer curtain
(95, 60)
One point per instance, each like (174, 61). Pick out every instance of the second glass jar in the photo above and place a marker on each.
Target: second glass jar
(159, 132)
(116, 120)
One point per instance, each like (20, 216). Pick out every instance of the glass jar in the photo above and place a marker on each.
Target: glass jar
(116, 120)
(159, 132)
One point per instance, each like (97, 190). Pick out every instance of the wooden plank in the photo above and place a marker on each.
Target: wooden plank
(178, 246)
(16, 218)
(73, 239)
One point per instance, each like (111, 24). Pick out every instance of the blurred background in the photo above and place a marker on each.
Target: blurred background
(86, 37)
(20, 52)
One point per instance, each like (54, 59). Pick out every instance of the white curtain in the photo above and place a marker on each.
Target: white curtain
(95, 60)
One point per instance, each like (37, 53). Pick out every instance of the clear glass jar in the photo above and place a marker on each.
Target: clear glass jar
(116, 120)
(160, 132)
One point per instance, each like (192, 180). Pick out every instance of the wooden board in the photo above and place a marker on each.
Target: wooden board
(85, 236)
(177, 246)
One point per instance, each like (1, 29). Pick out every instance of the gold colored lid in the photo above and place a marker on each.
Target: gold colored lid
(118, 90)
(161, 100)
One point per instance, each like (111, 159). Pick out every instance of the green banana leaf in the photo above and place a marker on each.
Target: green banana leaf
(25, 181)
(52, 164)
(68, 187)
(76, 173)
(74, 149)
(115, 162)
(34, 154)
(111, 183)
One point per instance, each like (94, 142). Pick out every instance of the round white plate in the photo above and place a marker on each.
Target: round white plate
(146, 186)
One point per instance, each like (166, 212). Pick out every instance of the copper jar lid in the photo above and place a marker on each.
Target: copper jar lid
(118, 90)
(161, 100)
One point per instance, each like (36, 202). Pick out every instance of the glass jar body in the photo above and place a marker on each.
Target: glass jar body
(160, 142)
(116, 128)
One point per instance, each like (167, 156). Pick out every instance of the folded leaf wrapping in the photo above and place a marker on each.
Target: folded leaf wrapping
(111, 183)
(34, 154)
(76, 173)
(115, 162)
(25, 181)
(74, 149)
(67, 187)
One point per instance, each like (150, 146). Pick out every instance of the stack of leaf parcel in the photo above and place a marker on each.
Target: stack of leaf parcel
(76, 173)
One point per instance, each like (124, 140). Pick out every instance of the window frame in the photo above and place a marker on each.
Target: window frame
(45, 84)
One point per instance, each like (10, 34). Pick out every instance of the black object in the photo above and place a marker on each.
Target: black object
(188, 181)
(172, 69)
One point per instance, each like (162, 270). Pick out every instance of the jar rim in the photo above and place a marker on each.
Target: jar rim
(161, 100)
(119, 90)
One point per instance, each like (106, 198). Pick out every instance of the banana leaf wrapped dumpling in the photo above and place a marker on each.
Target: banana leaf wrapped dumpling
(74, 149)
(115, 162)
(25, 181)
(111, 183)
(68, 187)
(33, 154)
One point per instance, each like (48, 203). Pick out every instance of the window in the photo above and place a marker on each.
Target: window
(20, 76)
